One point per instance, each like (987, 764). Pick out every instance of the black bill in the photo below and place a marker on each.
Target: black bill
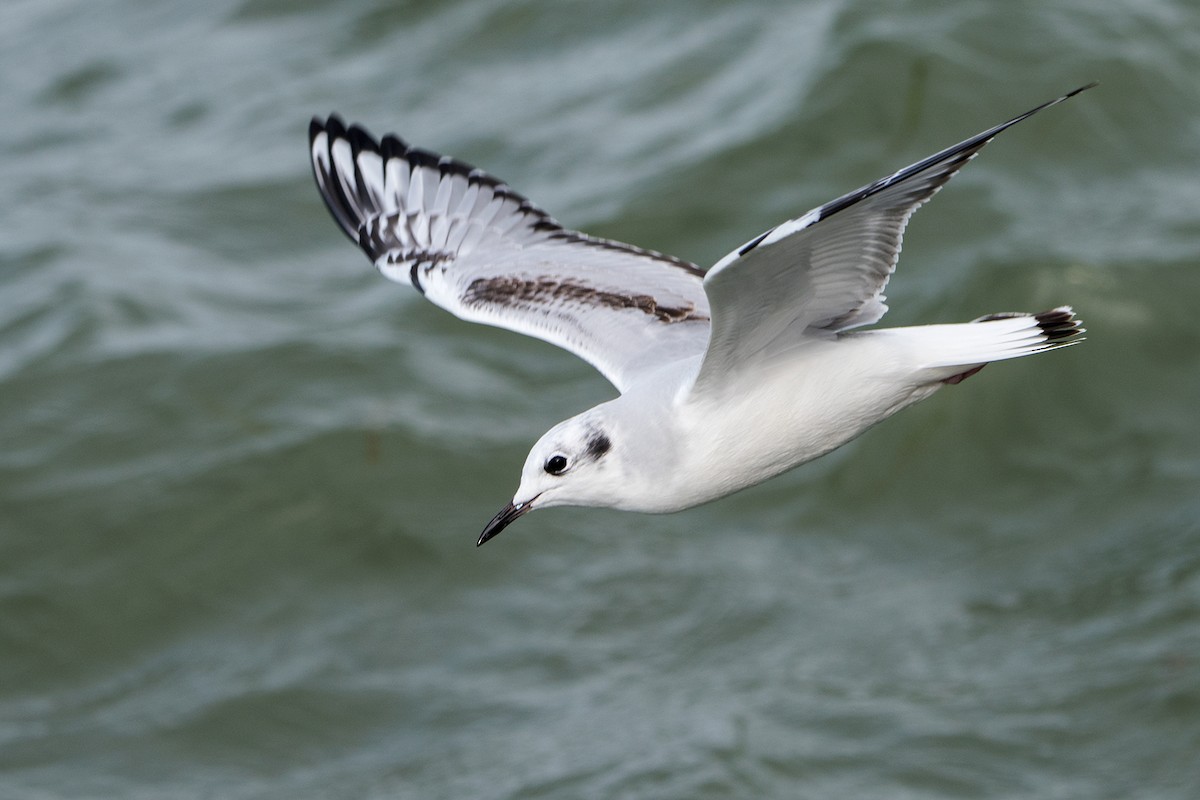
(506, 517)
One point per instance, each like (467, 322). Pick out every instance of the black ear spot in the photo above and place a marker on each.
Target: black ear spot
(598, 445)
(556, 465)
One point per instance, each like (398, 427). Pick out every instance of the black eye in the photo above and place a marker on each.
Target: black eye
(556, 465)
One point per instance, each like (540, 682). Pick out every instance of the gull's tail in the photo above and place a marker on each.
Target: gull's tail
(955, 352)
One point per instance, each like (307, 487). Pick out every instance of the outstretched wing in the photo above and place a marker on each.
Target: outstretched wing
(486, 254)
(823, 272)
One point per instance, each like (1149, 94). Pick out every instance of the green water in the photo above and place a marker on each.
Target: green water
(241, 475)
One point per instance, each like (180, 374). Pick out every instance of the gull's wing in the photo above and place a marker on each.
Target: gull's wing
(823, 272)
(486, 254)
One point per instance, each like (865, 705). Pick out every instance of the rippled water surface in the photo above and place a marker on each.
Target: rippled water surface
(241, 474)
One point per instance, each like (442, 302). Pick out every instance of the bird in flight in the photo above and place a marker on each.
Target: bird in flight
(726, 377)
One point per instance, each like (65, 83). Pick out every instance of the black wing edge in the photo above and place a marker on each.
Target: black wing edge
(956, 155)
(351, 213)
(331, 190)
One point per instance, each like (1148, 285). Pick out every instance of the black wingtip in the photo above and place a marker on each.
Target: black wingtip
(1083, 88)
(335, 127)
(340, 206)
(392, 146)
(361, 139)
(331, 124)
(949, 161)
(1046, 105)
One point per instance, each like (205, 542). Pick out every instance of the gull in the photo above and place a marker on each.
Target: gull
(726, 377)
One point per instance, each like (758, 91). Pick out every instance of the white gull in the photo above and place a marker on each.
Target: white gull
(726, 377)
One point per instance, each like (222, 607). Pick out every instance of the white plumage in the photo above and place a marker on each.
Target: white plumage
(727, 377)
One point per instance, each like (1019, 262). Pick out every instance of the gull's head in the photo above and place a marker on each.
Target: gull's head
(576, 463)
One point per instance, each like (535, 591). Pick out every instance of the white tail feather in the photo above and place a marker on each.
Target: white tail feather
(996, 337)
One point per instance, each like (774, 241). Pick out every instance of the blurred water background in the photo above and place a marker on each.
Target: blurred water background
(241, 475)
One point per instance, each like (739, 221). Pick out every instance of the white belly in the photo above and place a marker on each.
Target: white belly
(775, 419)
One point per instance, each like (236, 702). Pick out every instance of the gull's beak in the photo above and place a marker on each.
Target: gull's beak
(506, 517)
